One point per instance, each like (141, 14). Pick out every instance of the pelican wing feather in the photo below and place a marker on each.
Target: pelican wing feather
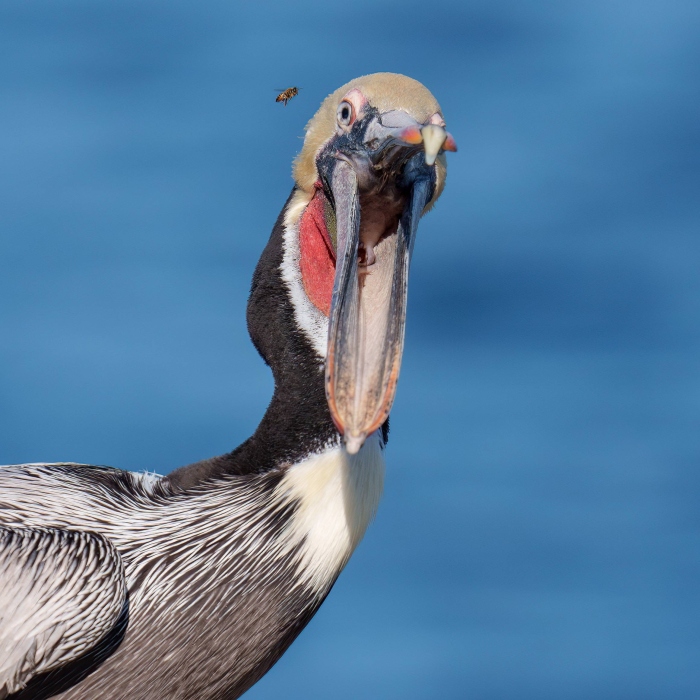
(61, 591)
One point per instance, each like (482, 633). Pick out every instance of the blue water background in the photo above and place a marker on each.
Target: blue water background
(539, 537)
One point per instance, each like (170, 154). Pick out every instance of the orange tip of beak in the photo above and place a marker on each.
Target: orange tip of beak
(450, 143)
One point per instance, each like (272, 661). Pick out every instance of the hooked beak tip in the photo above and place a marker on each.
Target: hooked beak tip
(353, 443)
(434, 137)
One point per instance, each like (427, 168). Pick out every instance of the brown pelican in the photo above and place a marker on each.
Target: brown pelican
(192, 585)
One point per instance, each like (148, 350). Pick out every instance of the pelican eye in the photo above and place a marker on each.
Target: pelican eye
(345, 114)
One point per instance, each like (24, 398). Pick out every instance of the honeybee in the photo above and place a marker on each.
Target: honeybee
(286, 95)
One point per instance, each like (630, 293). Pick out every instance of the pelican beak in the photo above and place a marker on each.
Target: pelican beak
(379, 177)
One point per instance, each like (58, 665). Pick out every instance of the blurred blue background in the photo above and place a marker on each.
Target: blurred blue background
(540, 532)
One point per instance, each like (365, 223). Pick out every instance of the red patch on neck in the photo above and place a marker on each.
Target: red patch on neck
(317, 262)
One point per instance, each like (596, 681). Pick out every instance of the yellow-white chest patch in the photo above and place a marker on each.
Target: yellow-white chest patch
(337, 495)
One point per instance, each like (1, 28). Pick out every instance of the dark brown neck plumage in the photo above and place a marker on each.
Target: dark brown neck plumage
(297, 421)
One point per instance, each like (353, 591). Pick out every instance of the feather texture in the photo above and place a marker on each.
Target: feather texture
(60, 592)
(221, 578)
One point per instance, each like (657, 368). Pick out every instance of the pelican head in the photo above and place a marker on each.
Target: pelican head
(373, 162)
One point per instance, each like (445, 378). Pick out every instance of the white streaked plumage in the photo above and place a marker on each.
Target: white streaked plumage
(334, 495)
(337, 495)
(61, 591)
